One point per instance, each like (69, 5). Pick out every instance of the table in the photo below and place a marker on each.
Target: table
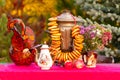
(10, 71)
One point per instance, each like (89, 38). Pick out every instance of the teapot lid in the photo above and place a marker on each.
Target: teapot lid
(67, 16)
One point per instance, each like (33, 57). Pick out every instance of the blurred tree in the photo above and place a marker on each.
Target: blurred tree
(34, 13)
(4, 39)
(101, 11)
(66, 5)
(107, 14)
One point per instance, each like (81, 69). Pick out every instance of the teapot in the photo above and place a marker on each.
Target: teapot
(44, 59)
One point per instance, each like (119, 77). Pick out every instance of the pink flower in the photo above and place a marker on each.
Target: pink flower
(92, 34)
(106, 37)
(82, 30)
(109, 35)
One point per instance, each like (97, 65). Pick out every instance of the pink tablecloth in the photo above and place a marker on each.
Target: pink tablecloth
(33, 72)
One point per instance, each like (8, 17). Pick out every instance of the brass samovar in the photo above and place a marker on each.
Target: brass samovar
(65, 22)
(66, 41)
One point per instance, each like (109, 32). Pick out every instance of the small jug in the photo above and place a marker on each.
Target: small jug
(90, 59)
(44, 59)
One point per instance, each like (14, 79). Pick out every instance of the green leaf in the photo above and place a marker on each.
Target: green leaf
(2, 2)
(4, 18)
(3, 22)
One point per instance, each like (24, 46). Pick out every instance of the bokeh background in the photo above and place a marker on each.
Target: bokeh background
(35, 14)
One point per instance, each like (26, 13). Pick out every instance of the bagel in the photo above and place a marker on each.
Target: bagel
(56, 43)
(76, 30)
(52, 27)
(78, 53)
(79, 37)
(79, 48)
(52, 19)
(55, 29)
(53, 52)
(78, 40)
(55, 46)
(75, 57)
(75, 27)
(75, 53)
(53, 23)
(66, 57)
(57, 34)
(54, 32)
(75, 33)
(56, 38)
(61, 57)
(78, 44)
(71, 56)
(57, 56)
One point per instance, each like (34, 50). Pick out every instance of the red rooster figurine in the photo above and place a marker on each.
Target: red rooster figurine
(22, 51)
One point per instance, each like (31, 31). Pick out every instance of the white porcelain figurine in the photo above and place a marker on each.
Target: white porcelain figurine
(44, 60)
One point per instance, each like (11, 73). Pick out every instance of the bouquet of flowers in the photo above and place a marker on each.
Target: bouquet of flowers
(95, 37)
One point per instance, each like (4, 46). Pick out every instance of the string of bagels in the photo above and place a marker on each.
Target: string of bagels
(55, 47)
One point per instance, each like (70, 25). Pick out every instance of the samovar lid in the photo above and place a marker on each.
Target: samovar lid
(67, 16)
